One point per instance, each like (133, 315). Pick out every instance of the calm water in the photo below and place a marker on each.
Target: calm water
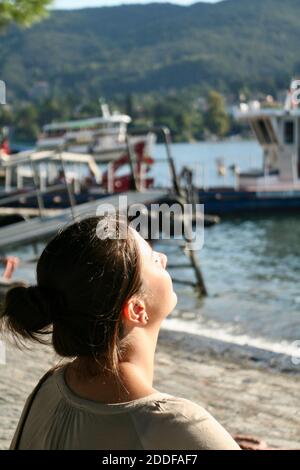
(202, 157)
(251, 266)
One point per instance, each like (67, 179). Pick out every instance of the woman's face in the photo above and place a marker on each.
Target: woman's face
(160, 298)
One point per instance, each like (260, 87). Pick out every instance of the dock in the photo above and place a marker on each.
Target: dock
(28, 212)
(41, 228)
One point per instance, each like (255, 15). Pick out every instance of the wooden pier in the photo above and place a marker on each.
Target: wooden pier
(27, 212)
(41, 228)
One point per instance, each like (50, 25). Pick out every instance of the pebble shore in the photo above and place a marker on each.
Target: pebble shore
(244, 395)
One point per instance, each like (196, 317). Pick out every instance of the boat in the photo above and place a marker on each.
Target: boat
(105, 137)
(276, 186)
(64, 179)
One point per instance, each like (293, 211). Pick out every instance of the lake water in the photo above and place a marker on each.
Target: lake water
(202, 157)
(251, 266)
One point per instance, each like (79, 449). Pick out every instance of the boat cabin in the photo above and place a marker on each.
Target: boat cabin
(278, 133)
(94, 134)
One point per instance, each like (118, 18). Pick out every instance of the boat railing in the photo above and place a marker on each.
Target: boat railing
(33, 159)
(38, 192)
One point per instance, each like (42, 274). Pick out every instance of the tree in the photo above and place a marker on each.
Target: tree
(217, 119)
(129, 105)
(23, 12)
(26, 128)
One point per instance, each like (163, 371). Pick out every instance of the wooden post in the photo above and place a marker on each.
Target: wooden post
(37, 188)
(69, 190)
(132, 164)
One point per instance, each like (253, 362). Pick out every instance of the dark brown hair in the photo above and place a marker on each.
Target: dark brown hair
(82, 283)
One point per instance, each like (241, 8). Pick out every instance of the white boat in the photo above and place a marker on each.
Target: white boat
(104, 137)
(277, 130)
(276, 186)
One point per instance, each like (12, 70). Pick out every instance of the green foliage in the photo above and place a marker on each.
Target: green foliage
(155, 48)
(152, 61)
(216, 118)
(179, 112)
(6, 117)
(26, 126)
(22, 12)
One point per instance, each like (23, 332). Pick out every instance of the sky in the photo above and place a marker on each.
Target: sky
(71, 4)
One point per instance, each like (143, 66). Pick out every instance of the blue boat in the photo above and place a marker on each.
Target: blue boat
(222, 201)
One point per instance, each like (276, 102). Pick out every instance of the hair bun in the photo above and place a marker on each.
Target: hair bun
(27, 311)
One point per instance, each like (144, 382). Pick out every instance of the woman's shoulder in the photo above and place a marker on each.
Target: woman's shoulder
(183, 424)
(179, 405)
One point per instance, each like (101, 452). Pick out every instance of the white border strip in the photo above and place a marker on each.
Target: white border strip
(2, 92)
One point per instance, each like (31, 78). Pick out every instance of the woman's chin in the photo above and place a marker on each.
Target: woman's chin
(174, 300)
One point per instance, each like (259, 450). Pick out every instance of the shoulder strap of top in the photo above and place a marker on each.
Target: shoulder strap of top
(26, 411)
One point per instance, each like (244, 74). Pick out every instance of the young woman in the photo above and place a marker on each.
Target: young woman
(103, 301)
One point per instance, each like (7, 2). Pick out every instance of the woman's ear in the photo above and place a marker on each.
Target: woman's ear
(134, 310)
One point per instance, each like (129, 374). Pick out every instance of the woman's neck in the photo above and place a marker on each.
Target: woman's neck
(136, 373)
(140, 357)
